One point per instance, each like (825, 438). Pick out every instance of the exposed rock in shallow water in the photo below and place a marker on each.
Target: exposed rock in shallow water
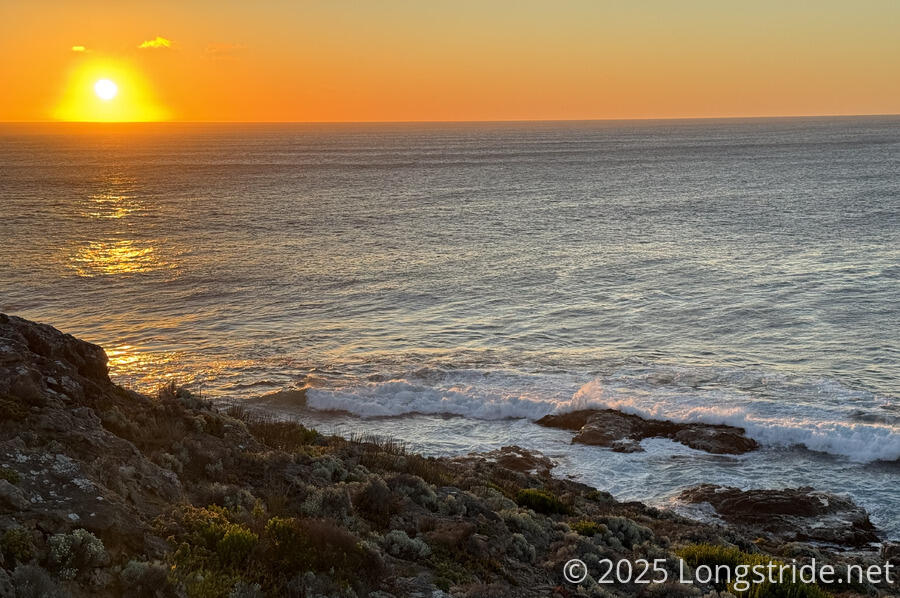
(623, 432)
(789, 515)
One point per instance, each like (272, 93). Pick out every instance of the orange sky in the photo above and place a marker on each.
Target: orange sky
(456, 60)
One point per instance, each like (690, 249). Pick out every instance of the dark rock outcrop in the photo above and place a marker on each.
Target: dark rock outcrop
(623, 432)
(789, 515)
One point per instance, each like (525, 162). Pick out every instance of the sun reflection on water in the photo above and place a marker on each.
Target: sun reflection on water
(116, 257)
(146, 370)
(116, 200)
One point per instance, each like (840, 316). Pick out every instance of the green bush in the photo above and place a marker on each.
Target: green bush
(540, 501)
(236, 545)
(710, 555)
(589, 528)
(16, 545)
(210, 584)
(320, 545)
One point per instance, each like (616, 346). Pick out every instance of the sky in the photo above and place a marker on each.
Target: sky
(436, 60)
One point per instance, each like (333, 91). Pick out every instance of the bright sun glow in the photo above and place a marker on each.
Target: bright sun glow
(108, 90)
(105, 89)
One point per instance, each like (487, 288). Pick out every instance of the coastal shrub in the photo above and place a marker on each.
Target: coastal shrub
(209, 583)
(375, 501)
(328, 501)
(236, 545)
(731, 557)
(205, 525)
(599, 496)
(168, 461)
(540, 501)
(231, 497)
(288, 436)
(398, 544)
(319, 545)
(243, 589)
(414, 488)
(75, 552)
(10, 475)
(379, 443)
(452, 506)
(30, 581)
(329, 469)
(214, 424)
(214, 470)
(143, 579)
(586, 527)
(520, 549)
(16, 545)
(11, 409)
(171, 391)
(629, 533)
(389, 455)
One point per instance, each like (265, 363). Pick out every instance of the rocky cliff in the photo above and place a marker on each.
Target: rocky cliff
(105, 492)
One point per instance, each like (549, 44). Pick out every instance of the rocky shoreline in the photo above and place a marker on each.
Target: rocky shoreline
(623, 432)
(106, 492)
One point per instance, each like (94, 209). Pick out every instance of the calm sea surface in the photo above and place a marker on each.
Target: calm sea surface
(449, 284)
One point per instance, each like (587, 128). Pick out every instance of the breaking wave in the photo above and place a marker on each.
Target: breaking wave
(827, 426)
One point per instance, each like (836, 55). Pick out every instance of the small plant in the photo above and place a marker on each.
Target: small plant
(10, 475)
(288, 436)
(398, 544)
(375, 501)
(589, 528)
(600, 496)
(75, 552)
(145, 579)
(30, 581)
(540, 501)
(236, 545)
(520, 549)
(626, 531)
(319, 545)
(16, 545)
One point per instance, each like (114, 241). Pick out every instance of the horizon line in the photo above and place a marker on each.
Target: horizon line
(461, 121)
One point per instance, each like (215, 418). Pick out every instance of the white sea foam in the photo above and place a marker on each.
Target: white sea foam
(816, 430)
(402, 397)
(827, 428)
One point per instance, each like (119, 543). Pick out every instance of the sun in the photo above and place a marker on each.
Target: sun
(106, 89)
(102, 89)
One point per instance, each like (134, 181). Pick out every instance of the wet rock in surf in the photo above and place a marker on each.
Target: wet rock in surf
(623, 432)
(789, 515)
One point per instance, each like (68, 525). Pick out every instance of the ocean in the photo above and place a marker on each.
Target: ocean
(448, 284)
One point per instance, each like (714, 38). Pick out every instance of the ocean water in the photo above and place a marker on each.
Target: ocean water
(448, 284)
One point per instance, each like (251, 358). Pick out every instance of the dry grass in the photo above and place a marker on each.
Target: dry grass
(280, 435)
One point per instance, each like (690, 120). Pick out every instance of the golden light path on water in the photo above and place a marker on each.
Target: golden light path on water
(114, 208)
(116, 257)
(145, 371)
